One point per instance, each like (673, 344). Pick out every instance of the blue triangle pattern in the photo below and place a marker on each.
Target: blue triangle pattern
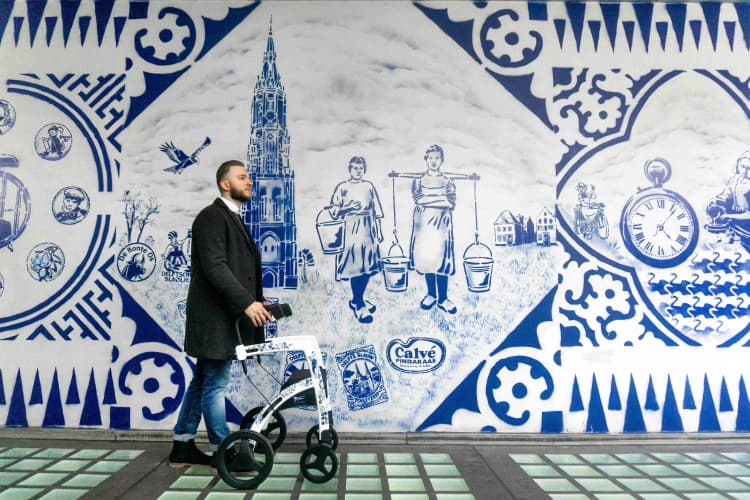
(725, 402)
(215, 31)
(614, 402)
(35, 10)
(576, 14)
(643, 14)
(729, 27)
(83, 25)
(708, 420)
(610, 13)
(17, 25)
(68, 10)
(50, 23)
(53, 413)
(742, 424)
(662, 27)
(633, 414)
(597, 420)
(109, 390)
(743, 16)
(676, 12)
(711, 14)
(688, 401)
(560, 30)
(576, 402)
(595, 28)
(90, 415)
(5, 9)
(102, 12)
(119, 23)
(651, 402)
(671, 421)
(2, 389)
(629, 28)
(695, 29)
(73, 398)
(36, 391)
(17, 410)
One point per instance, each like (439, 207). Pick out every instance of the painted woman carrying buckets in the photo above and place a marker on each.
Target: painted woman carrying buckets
(356, 202)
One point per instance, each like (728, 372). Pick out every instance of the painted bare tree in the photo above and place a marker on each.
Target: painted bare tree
(138, 213)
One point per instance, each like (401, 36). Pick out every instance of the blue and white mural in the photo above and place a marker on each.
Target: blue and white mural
(494, 216)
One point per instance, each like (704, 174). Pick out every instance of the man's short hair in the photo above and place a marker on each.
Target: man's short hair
(73, 194)
(224, 169)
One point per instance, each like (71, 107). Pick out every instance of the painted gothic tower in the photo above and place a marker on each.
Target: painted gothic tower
(270, 213)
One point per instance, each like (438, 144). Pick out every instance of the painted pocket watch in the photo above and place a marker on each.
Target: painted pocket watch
(658, 226)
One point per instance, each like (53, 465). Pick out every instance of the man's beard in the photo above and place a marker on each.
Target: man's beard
(238, 194)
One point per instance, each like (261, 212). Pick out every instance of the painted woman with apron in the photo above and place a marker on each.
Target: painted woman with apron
(431, 249)
(357, 202)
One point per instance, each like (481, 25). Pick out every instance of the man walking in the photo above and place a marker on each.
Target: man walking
(225, 288)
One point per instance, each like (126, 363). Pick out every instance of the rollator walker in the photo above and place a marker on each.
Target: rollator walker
(245, 457)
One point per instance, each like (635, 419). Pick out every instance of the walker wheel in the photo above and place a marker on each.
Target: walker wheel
(313, 437)
(244, 459)
(276, 429)
(319, 463)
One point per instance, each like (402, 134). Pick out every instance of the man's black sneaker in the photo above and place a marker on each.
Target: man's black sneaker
(185, 453)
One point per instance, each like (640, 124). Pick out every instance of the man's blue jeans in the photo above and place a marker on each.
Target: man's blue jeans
(205, 395)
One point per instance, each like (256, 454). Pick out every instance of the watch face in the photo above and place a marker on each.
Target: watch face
(659, 228)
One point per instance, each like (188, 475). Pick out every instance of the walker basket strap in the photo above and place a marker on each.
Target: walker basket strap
(305, 398)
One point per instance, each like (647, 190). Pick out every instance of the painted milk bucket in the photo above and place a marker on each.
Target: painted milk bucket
(396, 269)
(478, 264)
(330, 233)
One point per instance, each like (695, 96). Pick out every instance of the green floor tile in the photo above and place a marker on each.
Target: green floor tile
(201, 470)
(527, 458)
(642, 484)
(580, 470)
(264, 495)
(724, 483)
(107, 466)
(635, 458)
(741, 496)
(285, 470)
(398, 458)
(18, 452)
(89, 454)
(697, 469)
(708, 458)
(438, 458)
(730, 469)
(401, 470)
(598, 485)
(360, 458)
(179, 495)
(359, 470)
(318, 496)
(409, 496)
(600, 459)
(614, 496)
(563, 458)
(445, 484)
(30, 464)
(278, 484)
(286, 458)
(19, 493)
(67, 494)
(657, 470)
(362, 496)
(220, 495)
(739, 457)
(455, 496)
(568, 496)
(406, 484)
(673, 458)
(85, 480)
(661, 496)
(441, 470)
(43, 479)
(68, 465)
(331, 485)
(744, 479)
(540, 470)
(54, 453)
(619, 470)
(363, 484)
(7, 461)
(556, 485)
(191, 483)
(683, 484)
(8, 478)
(124, 455)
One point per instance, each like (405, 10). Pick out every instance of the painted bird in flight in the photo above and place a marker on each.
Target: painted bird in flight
(178, 156)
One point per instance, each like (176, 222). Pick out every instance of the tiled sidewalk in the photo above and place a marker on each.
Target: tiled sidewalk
(607, 469)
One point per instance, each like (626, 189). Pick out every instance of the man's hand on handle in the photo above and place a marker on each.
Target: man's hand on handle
(258, 314)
